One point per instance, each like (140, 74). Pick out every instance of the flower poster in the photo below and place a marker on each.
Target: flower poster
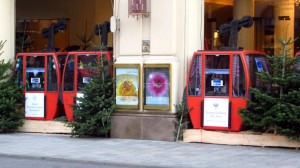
(157, 86)
(127, 86)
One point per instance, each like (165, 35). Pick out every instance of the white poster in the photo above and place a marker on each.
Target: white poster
(34, 105)
(216, 112)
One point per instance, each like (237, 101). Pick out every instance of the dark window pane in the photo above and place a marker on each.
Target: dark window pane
(86, 63)
(256, 63)
(194, 85)
(238, 77)
(19, 71)
(35, 73)
(217, 75)
(52, 75)
(69, 74)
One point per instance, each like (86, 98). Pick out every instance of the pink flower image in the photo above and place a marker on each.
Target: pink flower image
(157, 84)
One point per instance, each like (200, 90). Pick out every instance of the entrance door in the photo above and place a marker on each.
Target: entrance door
(239, 97)
(35, 87)
(216, 108)
(41, 86)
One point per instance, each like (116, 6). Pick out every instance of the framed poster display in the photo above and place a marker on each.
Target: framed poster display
(127, 85)
(157, 86)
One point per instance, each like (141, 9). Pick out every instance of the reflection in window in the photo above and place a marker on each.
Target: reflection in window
(85, 66)
(106, 63)
(238, 77)
(52, 75)
(217, 75)
(256, 63)
(69, 74)
(61, 61)
(35, 73)
(194, 85)
(19, 70)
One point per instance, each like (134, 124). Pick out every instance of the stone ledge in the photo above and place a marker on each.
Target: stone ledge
(238, 138)
(51, 127)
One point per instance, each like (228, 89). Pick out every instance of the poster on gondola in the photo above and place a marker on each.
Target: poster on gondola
(216, 112)
(127, 85)
(157, 86)
(35, 105)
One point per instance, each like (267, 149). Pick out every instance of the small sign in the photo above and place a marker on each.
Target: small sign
(34, 105)
(35, 80)
(216, 82)
(86, 80)
(259, 65)
(216, 112)
(146, 46)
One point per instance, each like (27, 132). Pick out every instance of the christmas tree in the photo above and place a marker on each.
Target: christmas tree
(93, 111)
(11, 111)
(276, 107)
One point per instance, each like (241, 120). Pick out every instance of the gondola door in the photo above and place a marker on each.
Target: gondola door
(216, 105)
(52, 87)
(41, 86)
(68, 84)
(238, 91)
(76, 75)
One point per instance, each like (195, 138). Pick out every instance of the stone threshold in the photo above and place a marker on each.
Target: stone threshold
(238, 138)
(49, 127)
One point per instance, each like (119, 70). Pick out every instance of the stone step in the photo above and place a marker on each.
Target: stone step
(51, 127)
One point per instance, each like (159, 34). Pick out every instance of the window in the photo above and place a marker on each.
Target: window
(85, 65)
(61, 61)
(69, 74)
(52, 75)
(35, 73)
(256, 63)
(19, 70)
(238, 77)
(298, 67)
(194, 84)
(217, 75)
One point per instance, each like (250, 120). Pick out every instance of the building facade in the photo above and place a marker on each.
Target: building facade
(157, 38)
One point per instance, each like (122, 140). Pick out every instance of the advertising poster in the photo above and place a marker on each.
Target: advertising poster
(157, 86)
(34, 105)
(216, 111)
(127, 86)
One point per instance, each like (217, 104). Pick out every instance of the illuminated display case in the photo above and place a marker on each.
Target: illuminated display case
(127, 85)
(157, 86)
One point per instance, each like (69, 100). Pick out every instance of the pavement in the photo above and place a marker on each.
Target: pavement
(144, 153)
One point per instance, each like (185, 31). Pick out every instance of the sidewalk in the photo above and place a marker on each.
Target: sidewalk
(144, 153)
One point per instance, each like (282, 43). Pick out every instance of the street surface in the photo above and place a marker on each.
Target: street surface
(29, 162)
(56, 151)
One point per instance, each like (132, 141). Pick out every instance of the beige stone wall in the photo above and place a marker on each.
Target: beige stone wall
(7, 29)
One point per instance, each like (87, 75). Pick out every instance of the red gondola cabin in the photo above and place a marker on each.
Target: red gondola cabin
(218, 85)
(75, 75)
(40, 74)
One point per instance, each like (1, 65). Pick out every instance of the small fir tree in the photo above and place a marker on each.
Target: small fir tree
(11, 112)
(92, 113)
(180, 124)
(85, 39)
(277, 108)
